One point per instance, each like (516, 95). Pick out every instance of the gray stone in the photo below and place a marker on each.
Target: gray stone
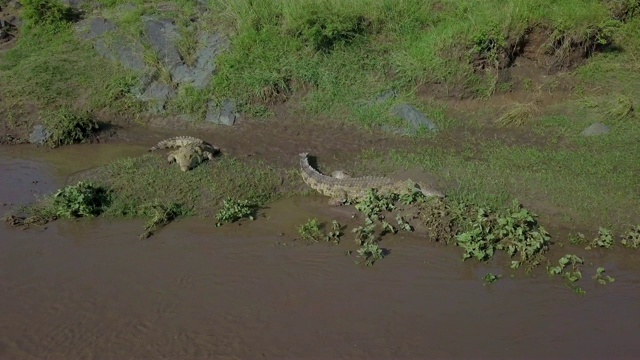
(226, 115)
(39, 135)
(596, 129)
(158, 93)
(162, 35)
(99, 26)
(385, 96)
(202, 5)
(74, 3)
(129, 55)
(204, 67)
(414, 118)
(124, 8)
(96, 27)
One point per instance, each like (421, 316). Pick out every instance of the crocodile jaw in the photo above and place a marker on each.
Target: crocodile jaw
(187, 157)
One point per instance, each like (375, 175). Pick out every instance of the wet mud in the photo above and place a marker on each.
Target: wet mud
(91, 289)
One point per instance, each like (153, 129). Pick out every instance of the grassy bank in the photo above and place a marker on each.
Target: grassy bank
(148, 187)
(560, 66)
(340, 52)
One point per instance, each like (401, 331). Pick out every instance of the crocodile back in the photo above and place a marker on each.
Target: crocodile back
(177, 141)
(319, 181)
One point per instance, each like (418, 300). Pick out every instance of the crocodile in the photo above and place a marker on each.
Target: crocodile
(190, 151)
(342, 188)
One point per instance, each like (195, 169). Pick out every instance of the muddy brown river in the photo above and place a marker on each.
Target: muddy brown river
(92, 290)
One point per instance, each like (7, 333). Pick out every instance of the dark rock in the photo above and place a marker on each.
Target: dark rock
(74, 3)
(385, 96)
(414, 118)
(226, 115)
(162, 35)
(200, 74)
(97, 27)
(596, 129)
(202, 5)
(6, 31)
(5, 36)
(39, 135)
(14, 22)
(128, 54)
(158, 93)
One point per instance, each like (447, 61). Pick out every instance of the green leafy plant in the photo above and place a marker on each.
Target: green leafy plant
(602, 278)
(490, 278)
(478, 242)
(310, 231)
(572, 275)
(374, 203)
(370, 252)
(603, 240)
(335, 233)
(631, 238)
(388, 228)
(160, 214)
(577, 239)
(412, 197)
(80, 200)
(68, 127)
(403, 224)
(516, 232)
(365, 234)
(233, 210)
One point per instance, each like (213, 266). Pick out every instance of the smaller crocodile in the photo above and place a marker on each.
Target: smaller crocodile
(190, 151)
(342, 188)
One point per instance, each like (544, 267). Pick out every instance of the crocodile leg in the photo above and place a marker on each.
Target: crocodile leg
(171, 158)
(339, 200)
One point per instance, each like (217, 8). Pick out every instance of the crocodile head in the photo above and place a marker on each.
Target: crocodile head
(187, 157)
(429, 192)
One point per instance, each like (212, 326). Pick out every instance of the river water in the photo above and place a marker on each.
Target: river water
(92, 290)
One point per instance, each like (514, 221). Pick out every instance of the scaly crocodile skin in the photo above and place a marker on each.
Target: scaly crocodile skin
(354, 189)
(190, 153)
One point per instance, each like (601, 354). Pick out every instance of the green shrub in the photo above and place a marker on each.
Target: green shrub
(67, 127)
(326, 30)
(80, 200)
(234, 210)
(46, 12)
(515, 231)
(310, 231)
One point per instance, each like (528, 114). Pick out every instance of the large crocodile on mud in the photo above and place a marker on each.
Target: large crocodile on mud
(343, 188)
(190, 153)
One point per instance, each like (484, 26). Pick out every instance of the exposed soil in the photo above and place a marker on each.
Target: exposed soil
(533, 61)
(8, 26)
(90, 289)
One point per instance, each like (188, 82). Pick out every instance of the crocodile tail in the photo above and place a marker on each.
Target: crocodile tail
(176, 142)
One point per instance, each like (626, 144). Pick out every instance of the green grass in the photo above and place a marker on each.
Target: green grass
(343, 49)
(150, 188)
(50, 66)
(342, 52)
(200, 191)
(595, 179)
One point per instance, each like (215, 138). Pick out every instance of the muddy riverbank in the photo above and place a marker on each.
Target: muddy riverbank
(90, 289)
